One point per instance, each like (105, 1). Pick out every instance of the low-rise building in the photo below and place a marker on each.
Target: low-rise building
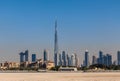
(49, 65)
(67, 69)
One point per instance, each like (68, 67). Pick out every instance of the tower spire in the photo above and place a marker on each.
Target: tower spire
(55, 25)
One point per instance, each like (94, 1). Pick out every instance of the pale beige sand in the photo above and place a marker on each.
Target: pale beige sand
(60, 76)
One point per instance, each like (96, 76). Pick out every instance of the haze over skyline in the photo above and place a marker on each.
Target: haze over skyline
(88, 24)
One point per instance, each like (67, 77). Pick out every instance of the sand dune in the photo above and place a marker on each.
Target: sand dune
(112, 76)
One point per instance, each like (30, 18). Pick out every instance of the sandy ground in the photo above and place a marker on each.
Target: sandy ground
(60, 76)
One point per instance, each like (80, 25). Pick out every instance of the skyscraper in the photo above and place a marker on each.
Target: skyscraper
(60, 60)
(104, 60)
(100, 61)
(94, 60)
(21, 57)
(76, 60)
(67, 60)
(33, 57)
(73, 60)
(56, 46)
(24, 56)
(86, 58)
(63, 58)
(118, 57)
(46, 55)
(109, 59)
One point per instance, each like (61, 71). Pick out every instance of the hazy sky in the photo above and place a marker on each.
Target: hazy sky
(82, 24)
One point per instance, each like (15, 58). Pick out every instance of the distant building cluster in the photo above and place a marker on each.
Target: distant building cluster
(104, 59)
(67, 60)
(35, 63)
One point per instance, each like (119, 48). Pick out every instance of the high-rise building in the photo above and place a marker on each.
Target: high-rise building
(76, 60)
(68, 60)
(24, 56)
(109, 59)
(118, 57)
(73, 60)
(60, 60)
(86, 58)
(21, 57)
(33, 57)
(56, 46)
(104, 60)
(100, 61)
(94, 60)
(46, 55)
(63, 58)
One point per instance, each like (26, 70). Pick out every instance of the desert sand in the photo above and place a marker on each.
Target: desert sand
(110, 76)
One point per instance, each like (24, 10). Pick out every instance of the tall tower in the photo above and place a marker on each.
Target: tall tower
(56, 46)
(100, 57)
(33, 57)
(73, 60)
(118, 57)
(21, 57)
(94, 60)
(46, 55)
(86, 58)
(26, 55)
(64, 58)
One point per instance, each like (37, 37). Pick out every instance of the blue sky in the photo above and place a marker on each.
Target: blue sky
(82, 24)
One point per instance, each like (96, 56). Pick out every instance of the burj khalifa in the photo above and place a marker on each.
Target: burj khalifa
(56, 46)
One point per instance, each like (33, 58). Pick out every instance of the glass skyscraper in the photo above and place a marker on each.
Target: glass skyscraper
(86, 58)
(63, 58)
(100, 61)
(118, 57)
(56, 46)
(46, 55)
(33, 57)
(24, 56)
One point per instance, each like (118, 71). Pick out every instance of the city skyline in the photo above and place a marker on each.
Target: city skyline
(68, 60)
(92, 25)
